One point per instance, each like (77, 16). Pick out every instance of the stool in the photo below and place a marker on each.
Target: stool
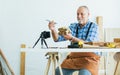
(53, 57)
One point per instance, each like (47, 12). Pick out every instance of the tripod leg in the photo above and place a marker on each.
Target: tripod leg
(36, 42)
(45, 43)
(48, 66)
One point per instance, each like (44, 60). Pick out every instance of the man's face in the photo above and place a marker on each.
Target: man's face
(82, 15)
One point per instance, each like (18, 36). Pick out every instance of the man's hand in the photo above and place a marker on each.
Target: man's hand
(68, 36)
(51, 25)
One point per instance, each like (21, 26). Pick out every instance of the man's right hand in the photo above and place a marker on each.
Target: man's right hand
(51, 25)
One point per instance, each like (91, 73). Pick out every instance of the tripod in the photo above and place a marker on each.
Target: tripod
(53, 57)
(43, 37)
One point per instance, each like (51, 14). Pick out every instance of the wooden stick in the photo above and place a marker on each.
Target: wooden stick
(3, 56)
(1, 69)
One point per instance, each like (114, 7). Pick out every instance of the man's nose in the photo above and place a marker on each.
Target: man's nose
(79, 16)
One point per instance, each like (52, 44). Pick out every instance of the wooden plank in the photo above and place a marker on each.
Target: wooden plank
(22, 63)
(99, 20)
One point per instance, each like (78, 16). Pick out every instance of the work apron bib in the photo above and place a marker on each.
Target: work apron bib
(82, 60)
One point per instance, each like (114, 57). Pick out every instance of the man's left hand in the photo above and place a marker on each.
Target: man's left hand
(68, 36)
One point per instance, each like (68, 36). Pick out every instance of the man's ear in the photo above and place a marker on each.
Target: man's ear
(88, 14)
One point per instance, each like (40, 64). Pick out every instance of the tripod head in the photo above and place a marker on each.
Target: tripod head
(44, 35)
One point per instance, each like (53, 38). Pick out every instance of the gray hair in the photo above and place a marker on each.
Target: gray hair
(84, 7)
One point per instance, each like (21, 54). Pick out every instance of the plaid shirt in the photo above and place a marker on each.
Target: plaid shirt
(82, 32)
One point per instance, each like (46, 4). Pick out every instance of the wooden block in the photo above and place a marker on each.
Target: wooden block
(117, 40)
(23, 46)
(117, 45)
(99, 20)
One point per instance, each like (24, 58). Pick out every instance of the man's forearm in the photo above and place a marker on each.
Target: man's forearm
(74, 39)
(54, 35)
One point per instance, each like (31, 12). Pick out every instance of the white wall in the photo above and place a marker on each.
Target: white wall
(21, 21)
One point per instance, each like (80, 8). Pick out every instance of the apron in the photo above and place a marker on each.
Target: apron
(82, 60)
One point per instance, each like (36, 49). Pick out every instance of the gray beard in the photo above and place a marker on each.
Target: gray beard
(80, 22)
